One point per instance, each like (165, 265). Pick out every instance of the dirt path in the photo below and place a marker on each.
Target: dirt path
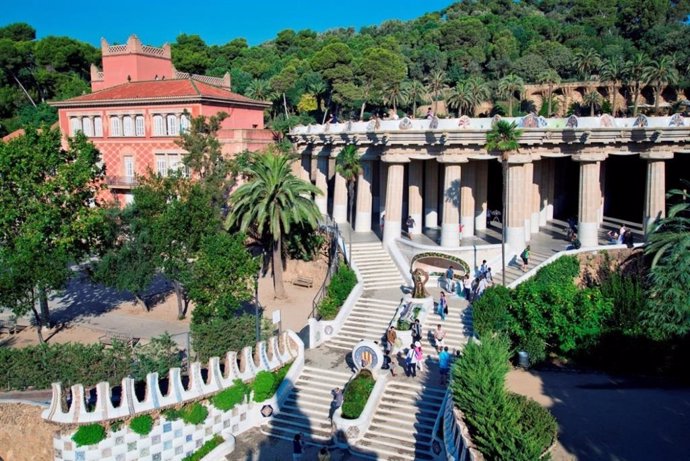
(24, 435)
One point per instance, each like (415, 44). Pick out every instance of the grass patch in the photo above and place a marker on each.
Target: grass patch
(205, 449)
(90, 434)
(142, 424)
(356, 394)
(194, 413)
(228, 398)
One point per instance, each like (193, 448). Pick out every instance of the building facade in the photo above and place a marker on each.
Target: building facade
(139, 106)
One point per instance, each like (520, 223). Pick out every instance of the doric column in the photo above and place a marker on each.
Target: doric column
(655, 190)
(450, 228)
(305, 167)
(322, 183)
(544, 178)
(551, 189)
(363, 217)
(536, 197)
(394, 198)
(340, 199)
(481, 182)
(431, 193)
(415, 178)
(383, 185)
(467, 199)
(514, 219)
(602, 191)
(589, 199)
(528, 180)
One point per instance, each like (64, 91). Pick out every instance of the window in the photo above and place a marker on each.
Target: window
(98, 127)
(172, 128)
(166, 163)
(161, 165)
(129, 166)
(74, 125)
(87, 126)
(158, 125)
(139, 125)
(115, 126)
(128, 125)
(184, 123)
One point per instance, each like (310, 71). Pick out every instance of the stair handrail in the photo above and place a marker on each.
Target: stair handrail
(331, 227)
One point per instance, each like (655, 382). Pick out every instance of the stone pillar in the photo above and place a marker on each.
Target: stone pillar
(394, 198)
(415, 181)
(431, 193)
(551, 189)
(340, 210)
(322, 183)
(450, 228)
(467, 199)
(528, 180)
(481, 183)
(304, 167)
(655, 188)
(589, 199)
(536, 198)
(602, 191)
(544, 178)
(514, 220)
(383, 184)
(363, 217)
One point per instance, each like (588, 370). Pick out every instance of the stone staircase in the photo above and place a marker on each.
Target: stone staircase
(403, 425)
(307, 407)
(376, 266)
(369, 319)
(458, 328)
(514, 271)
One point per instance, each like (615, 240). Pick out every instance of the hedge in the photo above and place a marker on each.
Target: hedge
(340, 287)
(194, 413)
(205, 449)
(356, 394)
(265, 385)
(219, 335)
(227, 399)
(141, 424)
(90, 434)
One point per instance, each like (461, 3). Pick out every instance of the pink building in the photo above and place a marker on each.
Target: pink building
(139, 106)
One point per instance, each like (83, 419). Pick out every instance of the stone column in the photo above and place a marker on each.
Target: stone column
(536, 198)
(602, 191)
(394, 198)
(544, 178)
(340, 209)
(551, 189)
(415, 181)
(383, 184)
(322, 183)
(450, 228)
(655, 190)
(467, 199)
(431, 193)
(589, 199)
(514, 220)
(481, 183)
(363, 217)
(528, 201)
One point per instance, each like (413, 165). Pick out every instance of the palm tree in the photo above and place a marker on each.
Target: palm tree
(270, 203)
(436, 83)
(348, 165)
(508, 86)
(480, 92)
(414, 92)
(503, 137)
(365, 91)
(587, 62)
(634, 71)
(550, 78)
(392, 94)
(460, 98)
(318, 88)
(660, 73)
(613, 72)
(592, 98)
(258, 89)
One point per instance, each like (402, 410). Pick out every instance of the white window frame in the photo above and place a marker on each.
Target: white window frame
(74, 125)
(127, 126)
(139, 126)
(87, 126)
(128, 166)
(98, 126)
(115, 126)
(172, 128)
(158, 125)
(185, 123)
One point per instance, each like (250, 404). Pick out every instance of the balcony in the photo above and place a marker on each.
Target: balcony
(121, 182)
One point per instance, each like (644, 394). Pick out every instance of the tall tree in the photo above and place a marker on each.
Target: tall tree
(549, 78)
(48, 218)
(587, 63)
(613, 72)
(508, 86)
(592, 98)
(436, 84)
(635, 74)
(504, 138)
(270, 203)
(258, 89)
(460, 98)
(393, 95)
(414, 93)
(660, 73)
(349, 166)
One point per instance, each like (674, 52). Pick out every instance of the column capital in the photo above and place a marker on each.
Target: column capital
(589, 157)
(517, 159)
(393, 158)
(452, 158)
(656, 155)
(325, 151)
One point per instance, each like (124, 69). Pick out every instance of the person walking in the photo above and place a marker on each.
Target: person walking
(442, 306)
(391, 338)
(297, 447)
(337, 401)
(439, 336)
(483, 268)
(488, 276)
(450, 279)
(444, 360)
(525, 258)
(419, 355)
(411, 362)
(467, 287)
(416, 331)
(324, 454)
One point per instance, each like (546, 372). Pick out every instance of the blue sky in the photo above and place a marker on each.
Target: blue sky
(217, 21)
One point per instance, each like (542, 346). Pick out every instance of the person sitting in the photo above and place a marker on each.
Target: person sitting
(613, 236)
(429, 114)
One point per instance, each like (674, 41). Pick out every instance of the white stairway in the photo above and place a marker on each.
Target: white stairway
(376, 266)
(369, 319)
(403, 424)
(306, 409)
(457, 325)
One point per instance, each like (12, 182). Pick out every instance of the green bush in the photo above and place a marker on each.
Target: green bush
(263, 385)
(490, 311)
(205, 449)
(536, 422)
(304, 242)
(171, 414)
(194, 413)
(280, 374)
(356, 394)
(328, 308)
(90, 434)
(158, 355)
(339, 288)
(211, 339)
(142, 424)
(233, 395)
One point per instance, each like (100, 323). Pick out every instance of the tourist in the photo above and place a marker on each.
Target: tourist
(391, 338)
(429, 114)
(467, 287)
(442, 306)
(613, 236)
(382, 220)
(481, 286)
(628, 238)
(416, 330)
(324, 455)
(621, 234)
(411, 362)
(410, 226)
(419, 355)
(388, 363)
(297, 447)
(333, 119)
(444, 360)
(337, 401)
(483, 268)
(525, 258)
(439, 336)
(450, 279)
(488, 276)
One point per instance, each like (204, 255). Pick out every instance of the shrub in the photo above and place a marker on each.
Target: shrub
(356, 394)
(205, 449)
(342, 283)
(263, 385)
(490, 311)
(233, 395)
(211, 339)
(172, 414)
(194, 413)
(142, 424)
(536, 422)
(90, 434)
(159, 355)
(328, 308)
(280, 374)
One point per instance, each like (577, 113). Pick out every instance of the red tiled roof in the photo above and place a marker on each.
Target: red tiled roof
(163, 90)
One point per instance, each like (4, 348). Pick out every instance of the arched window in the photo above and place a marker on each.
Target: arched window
(115, 126)
(98, 127)
(74, 125)
(87, 126)
(184, 123)
(158, 125)
(173, 129)
(128, 125)
(139, 125)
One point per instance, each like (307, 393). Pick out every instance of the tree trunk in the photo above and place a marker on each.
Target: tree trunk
(414, 108)
(26, 93)
(39, 326)
(361, 111)
(43, 303)
(548, 113)
(278, 287)
(435, 104)
(285, 106)
(591, 109)
(326, 108)
(504, 218)
(510, 106)
(636, 96)
(613, 100)
(657, 95)
(181, 304)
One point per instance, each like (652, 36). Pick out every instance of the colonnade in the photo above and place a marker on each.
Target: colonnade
(460, 206)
